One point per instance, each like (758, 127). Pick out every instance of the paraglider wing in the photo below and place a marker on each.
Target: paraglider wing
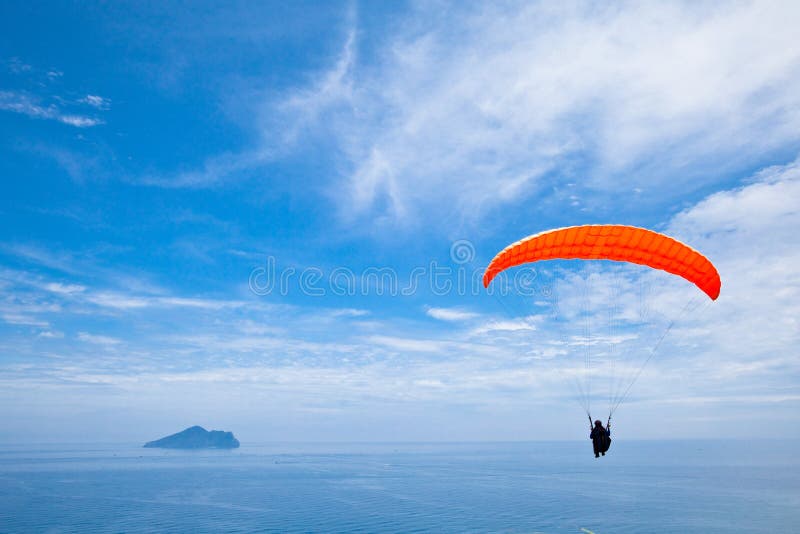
(611, 242)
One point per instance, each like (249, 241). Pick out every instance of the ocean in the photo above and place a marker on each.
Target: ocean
(532, 487)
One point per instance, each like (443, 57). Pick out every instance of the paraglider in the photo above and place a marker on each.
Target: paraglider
(611, 242)
(600, 436)
(617, 243)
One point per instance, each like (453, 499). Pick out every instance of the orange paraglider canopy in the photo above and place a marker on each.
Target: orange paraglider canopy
(611, 242)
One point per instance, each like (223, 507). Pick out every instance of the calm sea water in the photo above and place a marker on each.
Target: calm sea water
(680, 486)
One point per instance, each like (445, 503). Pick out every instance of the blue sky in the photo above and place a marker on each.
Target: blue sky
(162, 166)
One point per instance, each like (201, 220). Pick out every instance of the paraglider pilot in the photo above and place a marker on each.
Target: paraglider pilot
(601, 437)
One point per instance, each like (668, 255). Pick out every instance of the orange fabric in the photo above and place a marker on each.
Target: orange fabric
(611, 242)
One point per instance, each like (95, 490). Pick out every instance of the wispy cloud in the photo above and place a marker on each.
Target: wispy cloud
(214, 171)
(751, 235)
(469, 110)
(290, 118)
(21, 319)
(451, 314)
(331, 92)
(510, 325)
(98, 339)
(28, 105)
(96, 101)
(66, 289)
(51, 334)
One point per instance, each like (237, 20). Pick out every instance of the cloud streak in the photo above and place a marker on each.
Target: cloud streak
(451, 314)
(29, 106)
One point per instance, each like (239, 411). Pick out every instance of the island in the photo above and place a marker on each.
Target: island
(196, 437)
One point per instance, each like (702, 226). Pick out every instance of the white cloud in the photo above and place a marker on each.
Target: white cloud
(751, 234)
(451, 314)
(96, 102)
(98, 339)
(331, 90)
(213, 171)
(77, 120)
(470, 110)
(523, 324)
(460, 111)
(65, 289)
(184, 302)
(128, 301)
(51, 334)
(118, 300)
(347, 312)
(411, 344)
(23, 319)
(44, 256)
(27, 105)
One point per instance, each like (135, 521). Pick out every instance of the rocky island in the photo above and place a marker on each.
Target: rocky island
(196, 437)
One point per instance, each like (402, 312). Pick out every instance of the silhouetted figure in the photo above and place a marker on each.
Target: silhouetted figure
(601, 438)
